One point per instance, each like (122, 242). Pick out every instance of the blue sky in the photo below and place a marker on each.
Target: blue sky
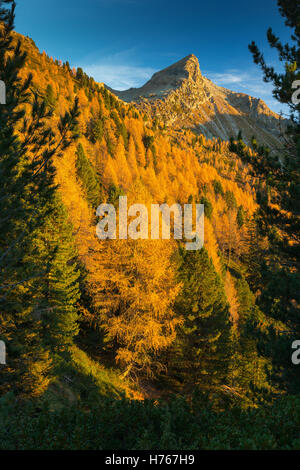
(123, 42)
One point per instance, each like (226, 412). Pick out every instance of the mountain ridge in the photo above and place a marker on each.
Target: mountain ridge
(181, 96)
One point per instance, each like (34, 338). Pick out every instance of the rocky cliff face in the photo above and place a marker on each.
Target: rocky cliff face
(181, 97)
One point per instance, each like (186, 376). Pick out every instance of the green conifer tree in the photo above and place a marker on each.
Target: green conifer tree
(203, 345)
(50, 98)
(27, 193)
(59, 291)
(88, 177)
(280, 297)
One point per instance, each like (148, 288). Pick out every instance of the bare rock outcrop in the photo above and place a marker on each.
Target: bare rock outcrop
(182, 97)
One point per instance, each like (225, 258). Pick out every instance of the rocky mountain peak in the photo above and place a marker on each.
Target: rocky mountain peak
(184, 73)
(181, 96)
(185, 69)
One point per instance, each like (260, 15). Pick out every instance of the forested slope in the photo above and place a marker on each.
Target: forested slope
(120, 151)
